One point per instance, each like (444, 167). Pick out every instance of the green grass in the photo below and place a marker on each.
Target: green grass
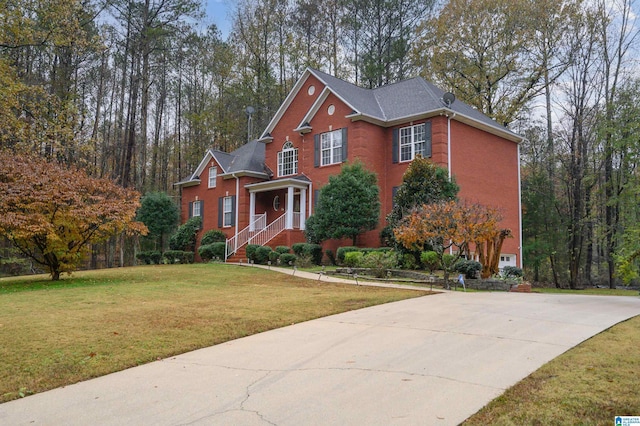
(588, 385)
(94, 323)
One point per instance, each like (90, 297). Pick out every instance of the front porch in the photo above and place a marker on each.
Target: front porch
(283, 205)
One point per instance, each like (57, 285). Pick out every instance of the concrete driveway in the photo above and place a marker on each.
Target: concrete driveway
(434, 360)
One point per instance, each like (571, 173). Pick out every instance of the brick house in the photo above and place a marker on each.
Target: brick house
(265, 190)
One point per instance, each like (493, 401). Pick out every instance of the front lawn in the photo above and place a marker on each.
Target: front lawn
(97, 322)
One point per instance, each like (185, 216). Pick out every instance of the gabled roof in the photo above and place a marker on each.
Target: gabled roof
(248, 159)
(390, 105)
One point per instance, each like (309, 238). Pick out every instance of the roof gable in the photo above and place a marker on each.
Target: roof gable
(389, 105)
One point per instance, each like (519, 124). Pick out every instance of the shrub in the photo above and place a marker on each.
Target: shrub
(304, 261)
(379, 262)
(213, 236)
(251, 251)
(340, 253)
(285, 258)
(353, 259)
(273, 257)
(261, 255)
(143, 256)
(409, 261)
(178, 256)
(512, 272)
(213, 251)
(156, 257)
(185, 236)
(469, 268)
(331, 256)
(430, 260)
(314, 251)
(283, 249)
(447, 261)
(298, 248)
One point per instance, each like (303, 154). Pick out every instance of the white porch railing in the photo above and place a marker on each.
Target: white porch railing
(268, 233)
(241, 238)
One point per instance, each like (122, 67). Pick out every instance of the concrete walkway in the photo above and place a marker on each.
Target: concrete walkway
(432, 360)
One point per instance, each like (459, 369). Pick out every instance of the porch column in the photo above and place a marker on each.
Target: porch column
(303, 208)
(289, 213)
(252, 210)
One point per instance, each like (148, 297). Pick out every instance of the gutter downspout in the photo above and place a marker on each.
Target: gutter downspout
(237, 199)
(521, 260)
(449, 117)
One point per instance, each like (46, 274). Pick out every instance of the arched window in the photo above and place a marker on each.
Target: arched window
(288, 160)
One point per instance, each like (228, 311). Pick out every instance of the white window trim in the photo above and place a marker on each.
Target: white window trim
(332, 138)
(196, 209)
(412, 142)
(213, 179)
(287, 148)
(226, 224)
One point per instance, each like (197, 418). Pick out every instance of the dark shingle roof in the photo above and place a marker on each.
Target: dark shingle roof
(249, 157)
(399, 100)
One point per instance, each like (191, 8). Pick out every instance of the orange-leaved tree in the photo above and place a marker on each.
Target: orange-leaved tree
(447, 225)
(52, 214)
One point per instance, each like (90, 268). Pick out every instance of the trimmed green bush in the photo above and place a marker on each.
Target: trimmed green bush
(469, 268)
(409, 261)
(283, 249)
(156, 257)
(430, 260)
(213, 236)
(262, 254)
(212, 251)
(287, 258)
(143, 256)
(251, 251)
(512, 272)
(353, 259)
(331, 256)
(314, 251)
(298, 248)
(273, 257)
(379, 262)
(178, 256)
(149, 257)
(342, 251)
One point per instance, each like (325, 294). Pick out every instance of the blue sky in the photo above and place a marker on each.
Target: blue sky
(218, 12)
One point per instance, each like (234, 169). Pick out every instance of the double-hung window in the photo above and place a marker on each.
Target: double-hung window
(213, 176)
(227, 211)
(196, 209)
(412, 142)
(288, 160)
(331, 147)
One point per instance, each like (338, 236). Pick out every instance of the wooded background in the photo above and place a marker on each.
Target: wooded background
(137, 90)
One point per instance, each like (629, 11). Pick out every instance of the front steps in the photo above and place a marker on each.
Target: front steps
(286, 238)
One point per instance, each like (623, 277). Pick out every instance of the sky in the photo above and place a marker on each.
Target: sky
(218, 12)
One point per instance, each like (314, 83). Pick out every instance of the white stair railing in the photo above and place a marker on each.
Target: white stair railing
(268, 233)
(241, 238)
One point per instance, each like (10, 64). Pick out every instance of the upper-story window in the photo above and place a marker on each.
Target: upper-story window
(213, 176)
(288, 160)
(412, 142)
(331, 147)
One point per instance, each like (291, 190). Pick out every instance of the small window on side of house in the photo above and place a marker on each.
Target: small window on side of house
(228, 211)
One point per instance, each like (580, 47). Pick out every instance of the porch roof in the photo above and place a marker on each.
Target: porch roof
(299, 182)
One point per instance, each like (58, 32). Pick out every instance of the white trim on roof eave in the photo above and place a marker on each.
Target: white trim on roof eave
(186, 183)
(240, 173)
(210, 153)
(495, 130)
(277, 184)
(287, 102)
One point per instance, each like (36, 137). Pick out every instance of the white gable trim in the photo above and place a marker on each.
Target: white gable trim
(315, 107)
(203, 164)
(285, 105)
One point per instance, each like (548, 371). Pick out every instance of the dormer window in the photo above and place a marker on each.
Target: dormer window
(287, 160)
